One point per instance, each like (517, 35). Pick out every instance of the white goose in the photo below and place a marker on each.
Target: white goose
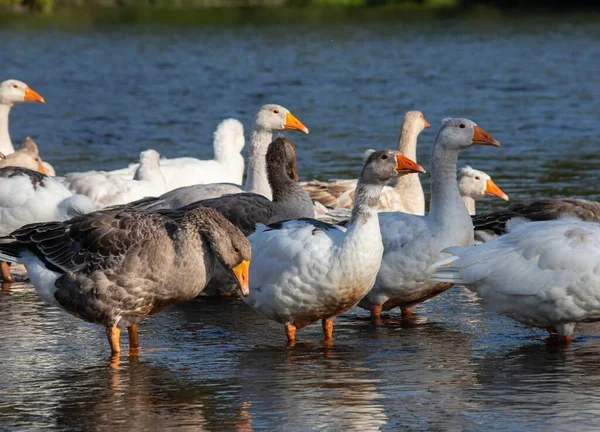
(269, 119)
(405, 196)
(107, 189)
(413, 243)
(28, 196)
(227, 166)
(12, 92)
(305, 270)
(473, 184)
(542, 274)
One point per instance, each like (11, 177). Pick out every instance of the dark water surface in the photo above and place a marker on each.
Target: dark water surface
(216, 364)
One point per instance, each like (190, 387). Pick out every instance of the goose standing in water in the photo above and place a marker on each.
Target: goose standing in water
(114, 268)
(306, 270)
(269, 119)
(405, 196)
(542, 274)
(27, 196)
(107, 189)
(413, 243)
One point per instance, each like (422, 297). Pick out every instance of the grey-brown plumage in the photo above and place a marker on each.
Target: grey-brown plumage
(116, 267)
(245, 210)
(494, 224)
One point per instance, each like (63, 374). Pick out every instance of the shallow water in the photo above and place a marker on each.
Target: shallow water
(216, 364)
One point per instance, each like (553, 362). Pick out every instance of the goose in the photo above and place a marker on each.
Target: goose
(306, 270)
(114, 268)
(269, 119)
(29, 143)
(107, 189)
(542, 274)
(406, 196)
(13, 92)
(491, 225)
(413, 243)
(27, 196)
(472, 184)
(26, 157)
(227, 166)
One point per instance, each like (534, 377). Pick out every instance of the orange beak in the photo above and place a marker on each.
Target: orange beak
(492, 190)
(241, 274)
(427, 125)
(406, 166)
(42, 169)
(292, 123)
(32, 96)
(481, 137)
(2, 155)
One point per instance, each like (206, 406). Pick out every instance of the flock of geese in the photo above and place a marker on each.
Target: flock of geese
(114, 247)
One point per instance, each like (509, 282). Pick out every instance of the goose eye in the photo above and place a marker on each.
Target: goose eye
(276, 111)
(462, 126)
(236, 250)
(384, 156)
(477, 178)
(15, 86)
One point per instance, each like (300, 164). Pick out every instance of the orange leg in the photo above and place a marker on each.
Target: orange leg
(134, 343)
(113, 334)
(6, 271)
(375, 311)
(290, 332)
(328, 329)
(565, 339)
(407, 313)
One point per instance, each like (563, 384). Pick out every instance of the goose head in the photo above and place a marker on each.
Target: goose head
(229, 244)
(26, 157)
(415, 120)
(275, 118)
(14, 92)
(477, 184)
(290, 155)
(150, 158)
(383, 165)
(460, 133)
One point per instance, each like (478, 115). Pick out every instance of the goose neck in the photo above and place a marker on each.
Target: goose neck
(256, 180)
(470, 204)
(6, 146)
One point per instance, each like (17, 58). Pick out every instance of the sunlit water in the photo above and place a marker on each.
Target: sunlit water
(214, 364)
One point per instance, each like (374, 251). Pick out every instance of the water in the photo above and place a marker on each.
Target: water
(214, 364)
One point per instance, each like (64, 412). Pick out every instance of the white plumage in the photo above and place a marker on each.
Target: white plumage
(226, 167)
(107, 189)
(542, 274)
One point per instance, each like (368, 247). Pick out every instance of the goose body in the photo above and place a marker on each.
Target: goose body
(413, 243)
(306, 270)
(116, 267)
(406, 196)
(107, 189)
(227, 165)
(542, 274)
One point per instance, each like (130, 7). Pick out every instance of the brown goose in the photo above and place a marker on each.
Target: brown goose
(116, 267)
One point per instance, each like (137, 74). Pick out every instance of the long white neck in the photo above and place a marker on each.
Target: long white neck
(409, 186)
(470, 203)
(447, 208)
(257, 181)
(6, 145)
